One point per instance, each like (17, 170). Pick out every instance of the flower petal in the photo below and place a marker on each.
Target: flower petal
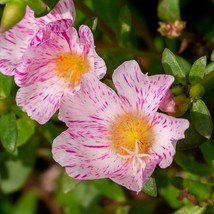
(41, 100)
(167, 131)
(63, 10)
(132, 179)
(14, 42)
(38, 60)
(84, 157)
(87, 38)
(139, 91)
(95, 104)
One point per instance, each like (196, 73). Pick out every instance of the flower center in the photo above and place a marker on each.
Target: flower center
(71, 67)
(128, 130)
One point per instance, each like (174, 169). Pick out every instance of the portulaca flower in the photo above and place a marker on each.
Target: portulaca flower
(118, 136)
(52, 67)
(14, 42)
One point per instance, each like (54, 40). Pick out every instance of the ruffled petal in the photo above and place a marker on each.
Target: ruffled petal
(95, 104)
(167, 131)
(38, 61)
(63, 10)
(139, 91)
(86, 37)
(41, 100)
(84, 157)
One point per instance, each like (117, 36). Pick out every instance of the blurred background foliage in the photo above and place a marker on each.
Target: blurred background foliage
(165, 36)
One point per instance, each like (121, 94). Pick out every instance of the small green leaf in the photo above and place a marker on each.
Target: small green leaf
(185, 65)
(168, 10)
(27, 204)
(198, 69)
(209, 68)
(207, 150)
(26, 128)
(8, 131)
(15, 170)
(172, 66)
(5, 85)
(201, 118)
(150, 187)
(191, 209)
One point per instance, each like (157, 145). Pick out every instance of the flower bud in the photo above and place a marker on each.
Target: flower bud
(13, 12)
(197, 91)
(168, 104)
(171, 29)
(181, 105)
(4, 106)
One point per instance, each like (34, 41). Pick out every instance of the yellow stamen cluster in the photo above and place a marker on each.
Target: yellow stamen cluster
(71, 67)
(128, 129)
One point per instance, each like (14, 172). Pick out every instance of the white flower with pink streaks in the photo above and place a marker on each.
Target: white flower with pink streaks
(52, 67)
(118, 136)
(14, 42)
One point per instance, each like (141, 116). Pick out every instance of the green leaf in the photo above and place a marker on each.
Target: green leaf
(8, 131)
(201, 118)
(6, 83)
(26, 128)
(209, 68)
(185, 65)
(191, 209)
(27, 204)
(15, 170)
(190, 165)
(197, 71)
(150, 187)
(168, 10)
(121, 210)
(207, 150)
(171, 66)
(68, 183)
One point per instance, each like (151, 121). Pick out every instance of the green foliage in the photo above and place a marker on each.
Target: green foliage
(150, 187)
(15, 168)
(197, 71)
(5, 85)
(8, 131)
(172, 66)
(201, 118)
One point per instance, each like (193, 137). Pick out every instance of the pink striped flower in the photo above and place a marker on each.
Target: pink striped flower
(14, 42)
(118, 136)
(52, 67)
